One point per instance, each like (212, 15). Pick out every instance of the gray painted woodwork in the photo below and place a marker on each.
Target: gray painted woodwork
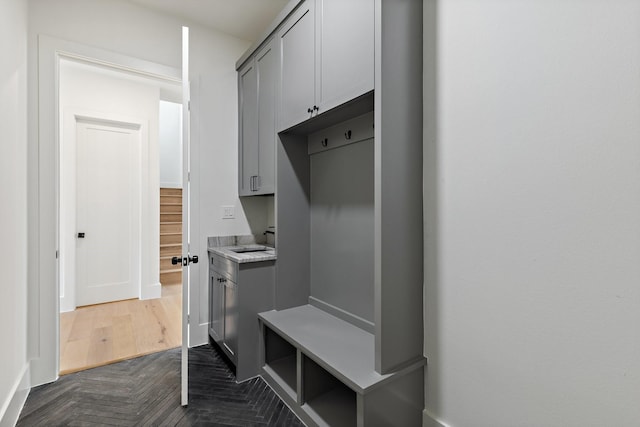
(337, 382)
(230, 330)
(398, 404)
(248, 127)
(317, 204)
(398, 184)
(257, 134)
(216, 306)
(297, 73)
(344, 51)
(246, 289)
(267, 67)
(320, 70)
(293, 222)
(342, 228)
(344, 133)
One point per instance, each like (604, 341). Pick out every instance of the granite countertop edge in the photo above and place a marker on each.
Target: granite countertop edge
(245, 257)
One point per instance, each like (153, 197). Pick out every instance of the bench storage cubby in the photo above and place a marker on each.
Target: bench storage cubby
(323, 367)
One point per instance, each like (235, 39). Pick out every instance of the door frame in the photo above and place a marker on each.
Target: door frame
(43, 329)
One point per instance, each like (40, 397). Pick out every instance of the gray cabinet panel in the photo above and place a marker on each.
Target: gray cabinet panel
(342, 228)
(216, 307)
(297, 76)
(256, 142)
(248, 138)
(266, 65)
(344, 51)
(231, 318)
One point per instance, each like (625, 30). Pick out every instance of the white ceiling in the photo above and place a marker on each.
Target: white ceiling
(245, 19)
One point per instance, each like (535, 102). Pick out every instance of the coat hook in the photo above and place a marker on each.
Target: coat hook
(347, 134)
(324, 142)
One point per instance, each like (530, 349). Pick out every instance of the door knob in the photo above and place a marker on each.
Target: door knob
(184, 261)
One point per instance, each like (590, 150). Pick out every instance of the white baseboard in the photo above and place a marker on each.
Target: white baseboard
(10, 410)
(198, 334)
(171, 185)
(151, 291)
(428, 420)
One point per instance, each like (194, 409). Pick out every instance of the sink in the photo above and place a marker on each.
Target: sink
(244, 249)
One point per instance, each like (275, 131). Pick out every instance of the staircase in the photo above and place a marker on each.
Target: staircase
(170, 235)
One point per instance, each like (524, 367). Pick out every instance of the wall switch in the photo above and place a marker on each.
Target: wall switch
(228, 212)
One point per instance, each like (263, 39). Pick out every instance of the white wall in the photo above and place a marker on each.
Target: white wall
(13, 209)
(128, 29)
(170, 141)
(532, 168)
(93, 92)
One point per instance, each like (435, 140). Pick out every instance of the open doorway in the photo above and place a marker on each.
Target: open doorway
(113, 305)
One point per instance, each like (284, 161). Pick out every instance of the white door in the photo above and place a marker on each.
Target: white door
(108, 212)
(186, 256)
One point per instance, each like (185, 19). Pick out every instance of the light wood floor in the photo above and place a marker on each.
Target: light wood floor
(101, 334)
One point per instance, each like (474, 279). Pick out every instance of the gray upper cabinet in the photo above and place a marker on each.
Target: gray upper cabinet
(256, 147)
(266, 65)
(344, 51)
(327, 57)
(297, 75)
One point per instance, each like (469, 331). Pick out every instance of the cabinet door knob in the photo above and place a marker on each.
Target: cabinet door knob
(315, 107)
(309, 110)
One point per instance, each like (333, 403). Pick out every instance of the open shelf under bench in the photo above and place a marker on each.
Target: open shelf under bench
(325, 369)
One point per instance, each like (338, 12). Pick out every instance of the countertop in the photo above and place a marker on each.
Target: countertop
(243, 257)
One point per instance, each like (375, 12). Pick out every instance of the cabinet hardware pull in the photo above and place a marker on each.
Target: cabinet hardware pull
(347, 134)
(324, 142)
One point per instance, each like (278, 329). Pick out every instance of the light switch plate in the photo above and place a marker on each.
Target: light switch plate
(228, 212)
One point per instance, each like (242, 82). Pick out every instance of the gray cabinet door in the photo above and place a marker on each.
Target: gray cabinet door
(216, 307)
(297, 75)
(266, 67)
(231, 318)
(344, 51)
(248, 129)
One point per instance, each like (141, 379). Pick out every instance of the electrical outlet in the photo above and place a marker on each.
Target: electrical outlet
(228, 212)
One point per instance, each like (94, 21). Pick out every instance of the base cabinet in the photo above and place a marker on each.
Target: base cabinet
(237, 293)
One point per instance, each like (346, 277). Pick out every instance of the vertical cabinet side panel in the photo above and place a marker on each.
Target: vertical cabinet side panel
(398, 151)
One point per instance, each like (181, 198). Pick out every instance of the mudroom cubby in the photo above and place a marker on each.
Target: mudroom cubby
(280, 361)
(325, 398)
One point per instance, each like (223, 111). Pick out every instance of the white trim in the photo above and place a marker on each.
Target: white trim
(10, 410)
(171, 185)
(151, 291)
(44, 342)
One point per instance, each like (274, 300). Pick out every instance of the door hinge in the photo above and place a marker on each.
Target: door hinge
(57, 254)
(189, 105)
(188, 318)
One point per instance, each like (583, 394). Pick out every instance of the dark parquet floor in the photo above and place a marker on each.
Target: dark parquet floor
(146, 392)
